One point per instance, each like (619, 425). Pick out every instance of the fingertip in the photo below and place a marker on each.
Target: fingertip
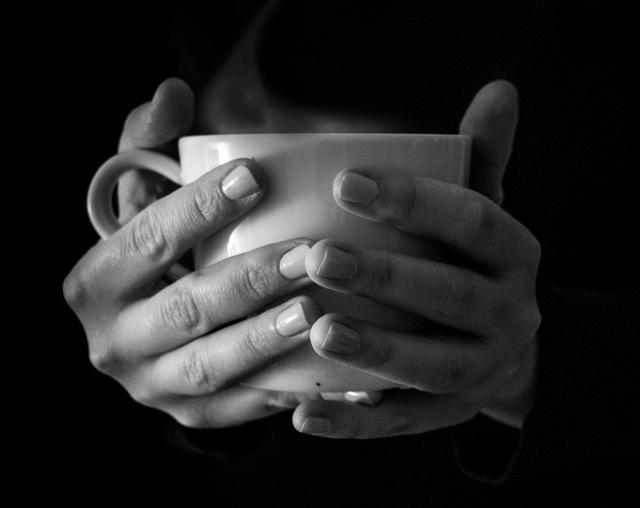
(501, 88)
(308, 419)
(172, 107)
(173, 89)
(495, 100)
(332, 263)
(337, 182)
(298, 417)
(353, 188)
(504, 99)
(335, 336)
(313, 259)
(239, 183)
(498, 100)
(291, 264)
(255, 168)
(296, 317)
(491, 120)
(312, 309)
(168, 116)
(319, 331)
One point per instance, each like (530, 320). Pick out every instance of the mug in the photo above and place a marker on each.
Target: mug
(300, 169)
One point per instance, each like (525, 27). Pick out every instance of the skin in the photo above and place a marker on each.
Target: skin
(185, 347)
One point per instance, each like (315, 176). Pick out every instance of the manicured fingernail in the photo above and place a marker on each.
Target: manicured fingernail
(292, 263)
(358, 189)
(337, 264)
(341, 339)
(316, 425)
(239, 183)
(292, 321)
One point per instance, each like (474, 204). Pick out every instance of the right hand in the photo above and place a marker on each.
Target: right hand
(184, 348)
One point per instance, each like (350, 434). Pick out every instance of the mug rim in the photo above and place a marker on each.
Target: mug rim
(194, 139)
(330, 134)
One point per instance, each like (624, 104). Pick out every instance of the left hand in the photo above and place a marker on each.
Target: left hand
(484, 350)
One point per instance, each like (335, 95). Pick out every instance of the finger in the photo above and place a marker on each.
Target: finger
(212, 297)
(138, 254)
(230, 355)
(491, 121)
(163, 120)
(464, 220)
(447, 294)
(437, 362)
(155, 125)
(401, 412)
(231, 407)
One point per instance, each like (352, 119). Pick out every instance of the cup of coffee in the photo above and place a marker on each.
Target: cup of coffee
(300, 170)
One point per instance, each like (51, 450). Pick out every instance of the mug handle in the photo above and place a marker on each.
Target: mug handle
(99, 197)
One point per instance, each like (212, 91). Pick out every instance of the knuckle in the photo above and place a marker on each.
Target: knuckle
(528, 250)
(254, 343)
(255, 281)
(478, 219)
(180, 310)
(382, 279)
(205, 204)
(531, 320)
(533, 249)
(458, 295)
(403, 206)
(501, 313)
(105, 356)
(376, 358)
(145, 237)
(85, 280)
(465, 409)
(143, 395)
(517, 320)
(449, 375)
(75, 288)
(198, 374)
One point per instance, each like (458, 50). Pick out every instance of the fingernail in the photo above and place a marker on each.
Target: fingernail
(316, 425)
(239, 183)
(292, 321)
(337, 264)
(341, 339)
(292, 263)
(358, 189)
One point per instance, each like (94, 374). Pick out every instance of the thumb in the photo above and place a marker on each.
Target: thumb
(491, 121)
(167, 117)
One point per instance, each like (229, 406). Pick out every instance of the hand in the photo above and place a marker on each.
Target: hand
(482, 352)
(184, 348)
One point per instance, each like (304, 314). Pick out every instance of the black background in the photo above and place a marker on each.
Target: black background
(75, 74)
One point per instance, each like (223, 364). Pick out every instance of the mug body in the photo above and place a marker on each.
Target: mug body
(300, 171)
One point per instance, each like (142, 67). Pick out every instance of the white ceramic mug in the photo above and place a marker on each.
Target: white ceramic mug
(300, 169)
